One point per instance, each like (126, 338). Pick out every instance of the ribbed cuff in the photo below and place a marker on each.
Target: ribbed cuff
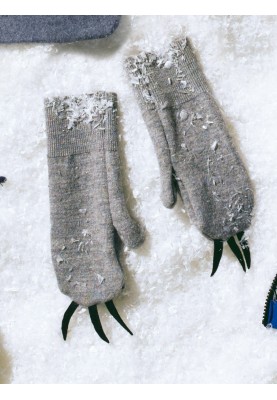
(173, 77)
(188, 63)
(77, 125)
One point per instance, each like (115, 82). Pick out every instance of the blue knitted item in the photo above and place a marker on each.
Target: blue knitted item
(270, 309)
(272, 314)
(55, 28)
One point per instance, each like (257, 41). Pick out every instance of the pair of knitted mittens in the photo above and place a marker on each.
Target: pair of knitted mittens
(196, 156)
(195, 152)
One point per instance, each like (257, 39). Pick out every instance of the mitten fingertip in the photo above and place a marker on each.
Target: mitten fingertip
(137, 237)
(168, 194)
(168, 201)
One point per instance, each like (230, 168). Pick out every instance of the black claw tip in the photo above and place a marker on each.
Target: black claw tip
(94, 316)
(113, 311)
(245, 248)
(236, 250)
(218, 249)
(66, 318)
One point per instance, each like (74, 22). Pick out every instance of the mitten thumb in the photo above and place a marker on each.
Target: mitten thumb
(158, 136)
(128, 229)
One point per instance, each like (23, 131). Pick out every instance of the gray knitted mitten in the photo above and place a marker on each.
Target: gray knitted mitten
(195, 152)
(87, 203)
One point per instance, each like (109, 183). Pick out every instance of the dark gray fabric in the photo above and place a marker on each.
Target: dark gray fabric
(86, 198)
(55, 28)
(192, 141)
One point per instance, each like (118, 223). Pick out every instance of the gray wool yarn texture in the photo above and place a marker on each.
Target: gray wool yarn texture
(87, 203)
(196, 154)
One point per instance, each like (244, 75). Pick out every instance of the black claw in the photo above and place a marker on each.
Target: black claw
(94, 316)
(218, 250)
(113, 311)
(67, 316)
(245, 248)
(236, 250)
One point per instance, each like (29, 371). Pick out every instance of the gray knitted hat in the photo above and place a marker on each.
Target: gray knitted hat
(195, 151)
(55, 28)
(87, 204)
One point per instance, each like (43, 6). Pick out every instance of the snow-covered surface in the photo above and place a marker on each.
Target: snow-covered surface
(188, 327)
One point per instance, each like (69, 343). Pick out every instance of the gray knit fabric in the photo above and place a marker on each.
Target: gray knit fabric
(86, 199)
(192, 141)
(55, 28)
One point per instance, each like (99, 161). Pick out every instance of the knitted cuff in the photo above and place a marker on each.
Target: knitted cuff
(168, 79)
(76, 125)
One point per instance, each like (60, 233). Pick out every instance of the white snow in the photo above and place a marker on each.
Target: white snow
(188, 327)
